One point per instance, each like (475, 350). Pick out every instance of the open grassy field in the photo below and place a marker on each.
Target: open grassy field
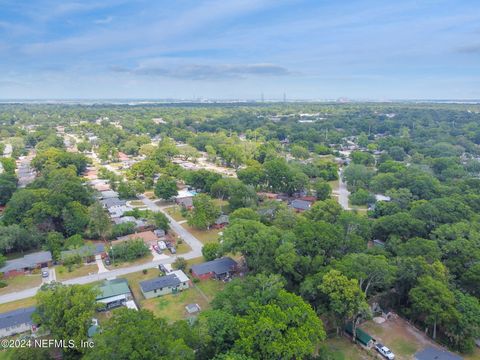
(63, 273)
(205, 236)
(21, 282)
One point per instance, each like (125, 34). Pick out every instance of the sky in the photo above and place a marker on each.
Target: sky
(240, 49)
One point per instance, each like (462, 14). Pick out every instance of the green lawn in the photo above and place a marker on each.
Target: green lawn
(183, 248)
(21, 282)
(143, 260)
(175, 213)
(343, 349)
(172, 307)
(205, 236)
(17, 304)
(63, 273)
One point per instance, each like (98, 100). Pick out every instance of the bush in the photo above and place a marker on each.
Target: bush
(195, 280)
(3, 284)
(145, 271)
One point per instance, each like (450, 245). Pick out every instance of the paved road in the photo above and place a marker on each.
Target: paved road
(194, 243)
(343, 193)
(191, 240)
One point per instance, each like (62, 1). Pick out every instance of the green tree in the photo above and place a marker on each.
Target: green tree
(166, 188)
(99, 223)
(346, 301)
(204, 213)
(8, 185)
(66, 311)
(131, 334)
(285, 328)
(322, 190)
(433, 302)
(160, 220)
(211, 251)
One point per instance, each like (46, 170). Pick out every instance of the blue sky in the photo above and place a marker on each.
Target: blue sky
(240, 49)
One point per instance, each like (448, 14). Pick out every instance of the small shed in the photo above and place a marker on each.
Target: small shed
(362, 337)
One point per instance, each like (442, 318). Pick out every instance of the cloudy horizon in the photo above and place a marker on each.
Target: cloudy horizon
(188, 49)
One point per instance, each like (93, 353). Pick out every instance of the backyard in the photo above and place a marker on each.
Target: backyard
(172, 307)
(205, 236)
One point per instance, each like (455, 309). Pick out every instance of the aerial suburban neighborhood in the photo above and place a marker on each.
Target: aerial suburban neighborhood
(340, 231)
(240, 180)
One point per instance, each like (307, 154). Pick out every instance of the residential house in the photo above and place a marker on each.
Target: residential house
(148, 237)
(27, 263)
(86, 252)
(221, 222)
(108, 194)
(160, 233)
(300, 205)
(185, 198)
(216, 269)
(16, 322)
(174, 282)
(111, 203)
(115, 293)
(139, 223)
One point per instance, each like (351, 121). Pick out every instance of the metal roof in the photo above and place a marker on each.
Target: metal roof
(111, 288)
(16, 317)
(170, 280)
(217, 266)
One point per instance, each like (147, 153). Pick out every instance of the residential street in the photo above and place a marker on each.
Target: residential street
(194, 243)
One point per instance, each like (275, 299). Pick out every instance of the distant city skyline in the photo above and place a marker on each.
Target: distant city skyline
(246, 50)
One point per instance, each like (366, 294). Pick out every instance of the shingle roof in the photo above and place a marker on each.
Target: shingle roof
(16, 317)
(112, 202)
(28, 261)
(217, 266)
(301, 204)
(170, 280)
(113, 287)
(84, 251)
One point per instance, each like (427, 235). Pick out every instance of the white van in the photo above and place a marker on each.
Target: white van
(162, 245)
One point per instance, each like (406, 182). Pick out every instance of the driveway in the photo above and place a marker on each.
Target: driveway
(100, 265)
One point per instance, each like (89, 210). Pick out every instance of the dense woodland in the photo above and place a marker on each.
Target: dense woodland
(309, 273)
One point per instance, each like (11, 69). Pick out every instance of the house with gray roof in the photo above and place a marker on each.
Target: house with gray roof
(300, 205)
(86, 252)
(27, 263)
(16, 321)
(216, 269)
(174, 282)
(111, 203)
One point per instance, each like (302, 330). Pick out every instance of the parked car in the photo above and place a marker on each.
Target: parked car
(45, 273)
(385, 351)
(157, 249)
(107, 261)
(162, 245)
(172, 249)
